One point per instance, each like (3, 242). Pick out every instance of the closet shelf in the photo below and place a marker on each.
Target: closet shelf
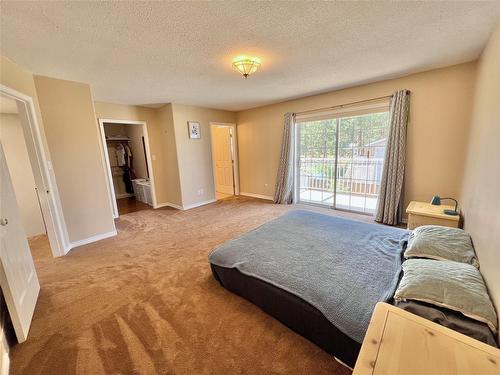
(117, 139)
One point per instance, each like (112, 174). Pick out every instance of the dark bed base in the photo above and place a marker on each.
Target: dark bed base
(292, 311)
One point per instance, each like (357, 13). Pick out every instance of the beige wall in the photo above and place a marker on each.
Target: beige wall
(194, 155)
(17, 78)
(171, 163)
(480, 195)
(182, 166)
(23, 181)
(72, 135)
(439, 120)
(21, 80)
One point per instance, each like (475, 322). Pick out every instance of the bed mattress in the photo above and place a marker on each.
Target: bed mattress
(292, 311)
(318, 274)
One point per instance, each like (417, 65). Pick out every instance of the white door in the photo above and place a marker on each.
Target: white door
(223, 159)
(18, 278)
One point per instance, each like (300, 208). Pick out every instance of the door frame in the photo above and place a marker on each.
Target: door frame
(236, 168)
(43, 172)
(107, 166)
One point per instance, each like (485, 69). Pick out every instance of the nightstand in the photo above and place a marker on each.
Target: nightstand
(421, 213)
(400, 343)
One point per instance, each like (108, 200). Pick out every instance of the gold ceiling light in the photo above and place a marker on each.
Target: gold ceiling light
(246, 65)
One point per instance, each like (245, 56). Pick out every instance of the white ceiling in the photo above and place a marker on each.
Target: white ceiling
(159, 52)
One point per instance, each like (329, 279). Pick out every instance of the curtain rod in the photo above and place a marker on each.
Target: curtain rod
(345, 105)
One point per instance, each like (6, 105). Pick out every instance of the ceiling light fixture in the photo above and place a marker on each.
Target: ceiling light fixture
(246, 65)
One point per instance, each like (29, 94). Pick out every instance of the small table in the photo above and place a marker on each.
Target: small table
(400, 343)
(421, 213)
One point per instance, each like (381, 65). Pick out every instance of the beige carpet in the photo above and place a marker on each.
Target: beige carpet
(145, 302)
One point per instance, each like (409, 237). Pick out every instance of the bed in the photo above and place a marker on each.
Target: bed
(322, 276)
(318, 274)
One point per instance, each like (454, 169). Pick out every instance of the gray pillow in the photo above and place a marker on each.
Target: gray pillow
(456, 286)
(441, 243)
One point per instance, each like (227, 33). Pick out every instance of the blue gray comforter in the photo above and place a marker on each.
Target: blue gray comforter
(342, 267)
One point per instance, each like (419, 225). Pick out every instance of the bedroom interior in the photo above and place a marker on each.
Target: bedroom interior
(236, 204)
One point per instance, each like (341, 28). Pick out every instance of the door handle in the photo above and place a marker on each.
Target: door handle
(4, 221)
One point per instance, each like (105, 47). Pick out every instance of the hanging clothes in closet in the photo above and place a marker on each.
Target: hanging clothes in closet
(130, 160)
(124, 158)
(120, 154)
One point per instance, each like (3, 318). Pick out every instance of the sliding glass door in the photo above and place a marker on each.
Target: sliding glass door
(317, 161)
(340, 160)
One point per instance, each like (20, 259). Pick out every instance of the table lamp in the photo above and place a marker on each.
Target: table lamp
(436, 201)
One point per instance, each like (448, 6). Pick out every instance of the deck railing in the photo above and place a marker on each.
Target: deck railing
(357, 175)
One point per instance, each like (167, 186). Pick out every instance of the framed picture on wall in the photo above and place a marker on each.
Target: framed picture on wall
(194, 130)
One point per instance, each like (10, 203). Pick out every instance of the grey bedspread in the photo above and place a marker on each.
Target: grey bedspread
(342, 267)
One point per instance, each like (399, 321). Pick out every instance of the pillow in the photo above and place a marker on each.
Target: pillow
(441, 243)
(456, 286)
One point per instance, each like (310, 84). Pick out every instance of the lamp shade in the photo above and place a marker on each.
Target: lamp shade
(246, 65)
(436, 200)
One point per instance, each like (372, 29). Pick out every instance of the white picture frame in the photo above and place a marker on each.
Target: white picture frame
(194, 130)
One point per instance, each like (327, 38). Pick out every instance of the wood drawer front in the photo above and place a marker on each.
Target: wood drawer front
(415, 221)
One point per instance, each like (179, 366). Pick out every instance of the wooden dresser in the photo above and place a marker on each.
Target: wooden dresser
(401, 343)
(421, 213)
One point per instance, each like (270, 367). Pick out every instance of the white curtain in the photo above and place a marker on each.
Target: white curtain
(284, 181)
(390, 202)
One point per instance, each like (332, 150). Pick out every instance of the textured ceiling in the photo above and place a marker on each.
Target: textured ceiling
(158, 52)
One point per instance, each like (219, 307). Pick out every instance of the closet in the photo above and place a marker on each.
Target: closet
(129, 166)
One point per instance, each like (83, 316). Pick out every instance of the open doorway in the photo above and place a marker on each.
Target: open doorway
(29, 207)
(130, 174)
(33, 178)
(224, 159)
(19, 166)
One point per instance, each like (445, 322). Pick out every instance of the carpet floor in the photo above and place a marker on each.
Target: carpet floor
(145, 302)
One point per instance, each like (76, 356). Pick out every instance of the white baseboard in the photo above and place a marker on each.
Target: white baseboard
(124, 195)
(342, 363)
(95, 238)
(5, 364)
(4, 346)
(168, 204)
(194, 205)
(187, 207)
(266, 197)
